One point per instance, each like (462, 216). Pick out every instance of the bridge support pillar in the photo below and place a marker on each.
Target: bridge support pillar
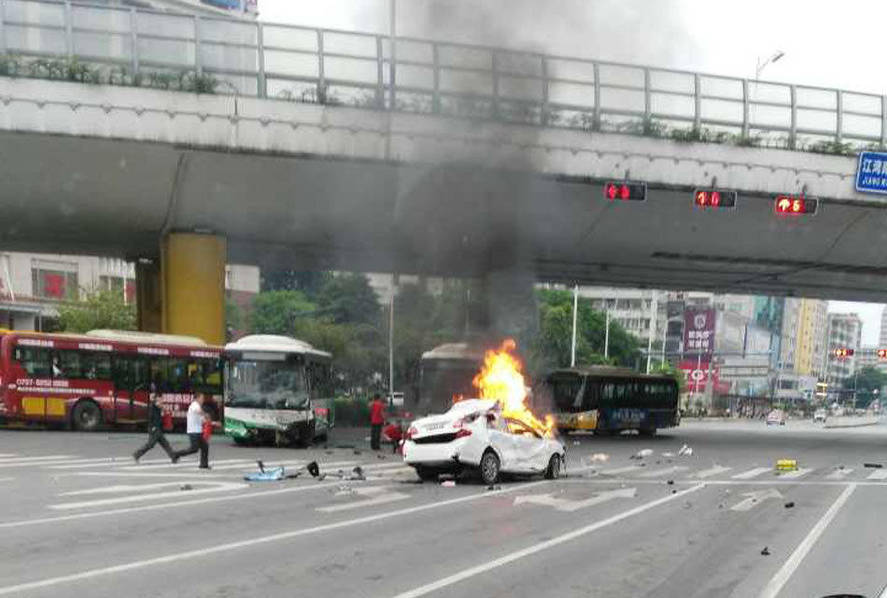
(193, 285)
(149, 296)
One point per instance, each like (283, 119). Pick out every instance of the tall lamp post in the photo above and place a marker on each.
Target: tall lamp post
(760, 65)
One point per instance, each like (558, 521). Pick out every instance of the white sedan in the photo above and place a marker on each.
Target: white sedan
(473, 434)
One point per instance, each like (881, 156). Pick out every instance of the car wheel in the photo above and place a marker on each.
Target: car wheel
(554, 468)
(426, 475)
(86, 416)
(489, 467)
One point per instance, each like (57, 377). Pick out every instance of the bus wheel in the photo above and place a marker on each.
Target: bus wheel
(647, 431)
(306, 434)
(86, 416)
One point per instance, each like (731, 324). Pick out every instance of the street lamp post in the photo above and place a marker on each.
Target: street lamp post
(760, 65)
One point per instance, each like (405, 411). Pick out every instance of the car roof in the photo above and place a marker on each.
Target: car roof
(469, 405)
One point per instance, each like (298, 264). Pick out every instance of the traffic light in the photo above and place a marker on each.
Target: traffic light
(882, 353)
(795, 205)
(625, 190)
(714, 198)
(843, 352)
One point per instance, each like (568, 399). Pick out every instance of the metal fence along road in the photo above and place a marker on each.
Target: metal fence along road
(340, 67)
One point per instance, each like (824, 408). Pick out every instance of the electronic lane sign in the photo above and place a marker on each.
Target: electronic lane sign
(795, 205)
(714, 198)
(625, 190)
(871, 172)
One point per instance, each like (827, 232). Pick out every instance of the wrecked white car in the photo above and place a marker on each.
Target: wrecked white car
(474, 435)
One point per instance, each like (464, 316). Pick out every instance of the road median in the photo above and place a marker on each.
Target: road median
(851, 421)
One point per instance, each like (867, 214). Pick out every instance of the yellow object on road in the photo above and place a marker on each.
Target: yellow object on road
(787, 465)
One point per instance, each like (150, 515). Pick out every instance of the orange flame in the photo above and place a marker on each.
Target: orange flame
(501, 378)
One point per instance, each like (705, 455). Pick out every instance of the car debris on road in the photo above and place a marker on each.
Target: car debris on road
(642, 454)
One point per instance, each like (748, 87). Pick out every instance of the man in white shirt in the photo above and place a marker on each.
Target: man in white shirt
(195, 418)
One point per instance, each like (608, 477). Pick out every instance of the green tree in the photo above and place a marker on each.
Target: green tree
(308, 282)
(98, 309)
(553, 342)
(867, 383)
(348, 298)
(277, 312)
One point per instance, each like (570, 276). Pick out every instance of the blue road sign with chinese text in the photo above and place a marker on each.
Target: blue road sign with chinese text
(871, 172)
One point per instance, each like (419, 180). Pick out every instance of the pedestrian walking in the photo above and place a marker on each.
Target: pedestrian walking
(155, 430)
(195, 421)
(377, 420)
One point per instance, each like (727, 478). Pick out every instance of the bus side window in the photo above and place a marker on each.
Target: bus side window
(120, 372)
(158, 374)
(592, 396)
(69, 364)
(102, 365)
(178, 375)
(36, 362)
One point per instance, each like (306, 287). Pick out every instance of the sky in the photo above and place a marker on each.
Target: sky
(825, 44)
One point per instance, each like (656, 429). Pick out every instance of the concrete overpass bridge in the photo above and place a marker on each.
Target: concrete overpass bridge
(318, 150)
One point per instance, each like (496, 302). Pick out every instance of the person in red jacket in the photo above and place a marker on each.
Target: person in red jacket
(377, 419)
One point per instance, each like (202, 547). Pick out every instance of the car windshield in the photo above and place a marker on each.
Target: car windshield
(266, 385)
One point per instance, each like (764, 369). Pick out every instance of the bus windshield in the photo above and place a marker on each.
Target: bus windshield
(267, 385)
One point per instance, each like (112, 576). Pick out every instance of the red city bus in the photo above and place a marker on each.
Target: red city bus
(104, 377)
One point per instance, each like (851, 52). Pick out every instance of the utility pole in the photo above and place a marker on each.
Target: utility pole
(392, 36)
(652, 330)
(607, 335)
(391, 343)
(575, 310)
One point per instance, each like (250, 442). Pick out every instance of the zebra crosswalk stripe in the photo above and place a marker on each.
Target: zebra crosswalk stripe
(751, 473)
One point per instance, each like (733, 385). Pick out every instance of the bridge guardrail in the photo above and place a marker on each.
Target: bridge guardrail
(328, 66)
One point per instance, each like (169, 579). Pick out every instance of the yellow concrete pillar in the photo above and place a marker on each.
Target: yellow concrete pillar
(193, 272)
(149, 296)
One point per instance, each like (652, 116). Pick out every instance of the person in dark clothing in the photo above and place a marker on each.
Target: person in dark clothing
(377, 419)
(155, 431)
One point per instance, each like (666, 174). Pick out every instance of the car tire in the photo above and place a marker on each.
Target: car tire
(306, 434)
(241, 441)
(426, 475)
(554, 468)
(489, 467)
(86, 416)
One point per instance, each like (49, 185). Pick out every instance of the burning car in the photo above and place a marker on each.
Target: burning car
(495, 433)
(475, 434)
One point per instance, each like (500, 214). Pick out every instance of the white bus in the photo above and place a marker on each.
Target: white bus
(277, 389)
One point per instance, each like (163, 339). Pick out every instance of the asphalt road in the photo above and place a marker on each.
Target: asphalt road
(74, 522)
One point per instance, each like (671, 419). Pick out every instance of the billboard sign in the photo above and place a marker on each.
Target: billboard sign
(699, 331)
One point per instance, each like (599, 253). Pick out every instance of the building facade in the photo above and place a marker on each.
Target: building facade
(844, 332)
(811, 339)
(32, 285)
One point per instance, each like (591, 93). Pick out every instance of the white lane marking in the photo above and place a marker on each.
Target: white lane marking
(878, 474)
(32, 459)
(530, 550)
(755, 498)
(146, 474)
(6, 479)
(188, 463)
(662, 472)
(776, 583)
(140, 495)
(379, 495)
(751, 473)
(36, 464)
(839, 474)
(793, 475)
(569, 506)
(183, 503)
(619, 470)
(86, 463)
(713, 471)
(219, 548)
(5, 455)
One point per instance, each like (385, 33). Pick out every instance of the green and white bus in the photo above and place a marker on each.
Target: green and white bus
(277, 389)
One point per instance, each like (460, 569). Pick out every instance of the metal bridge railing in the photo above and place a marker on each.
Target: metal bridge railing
(339, 67)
